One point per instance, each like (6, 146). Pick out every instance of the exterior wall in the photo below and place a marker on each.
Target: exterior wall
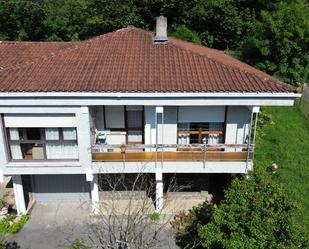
(238, 118)
(82, 123)
(3, 154)
(169, 135)
(47, 188)
(237, 124)
(150, 124)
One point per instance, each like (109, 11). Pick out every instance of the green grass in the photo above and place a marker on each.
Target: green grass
(286, 143)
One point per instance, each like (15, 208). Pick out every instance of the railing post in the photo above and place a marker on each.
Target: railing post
(204, 155)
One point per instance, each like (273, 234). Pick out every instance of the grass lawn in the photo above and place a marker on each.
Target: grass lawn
(286, 143)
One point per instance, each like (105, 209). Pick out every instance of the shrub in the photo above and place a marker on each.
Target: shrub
(78, 244)
(255, 213)
(2, 204)
(7, 224)
(155, 216)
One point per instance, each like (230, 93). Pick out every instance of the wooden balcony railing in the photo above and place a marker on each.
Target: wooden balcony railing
(174, 152)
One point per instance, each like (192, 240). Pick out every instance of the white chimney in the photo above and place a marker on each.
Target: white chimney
(161, 30)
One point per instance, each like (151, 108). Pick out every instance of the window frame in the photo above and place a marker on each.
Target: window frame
(42, 141)
(200, 132)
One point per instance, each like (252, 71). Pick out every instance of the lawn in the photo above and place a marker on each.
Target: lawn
(286, 142)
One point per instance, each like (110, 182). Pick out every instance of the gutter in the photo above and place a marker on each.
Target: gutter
(148, 95)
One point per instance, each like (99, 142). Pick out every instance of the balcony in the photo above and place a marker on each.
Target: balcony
(172, 153)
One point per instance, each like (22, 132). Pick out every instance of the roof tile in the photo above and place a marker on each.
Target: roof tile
(127, 60)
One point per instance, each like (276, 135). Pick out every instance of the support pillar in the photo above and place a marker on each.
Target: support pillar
(19, 194)
(159, 190)
(95, 205)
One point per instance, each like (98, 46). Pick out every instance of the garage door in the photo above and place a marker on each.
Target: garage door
(47, 188)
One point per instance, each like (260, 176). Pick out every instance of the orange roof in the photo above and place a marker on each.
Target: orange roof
(127, 60)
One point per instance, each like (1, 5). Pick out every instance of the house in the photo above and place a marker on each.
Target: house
(125, 102)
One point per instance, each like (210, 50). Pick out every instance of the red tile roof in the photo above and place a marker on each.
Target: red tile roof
(127, 60)
(15, 53)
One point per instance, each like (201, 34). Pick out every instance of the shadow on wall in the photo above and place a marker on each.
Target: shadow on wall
(214, 184)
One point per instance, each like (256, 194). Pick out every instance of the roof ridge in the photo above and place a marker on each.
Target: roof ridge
(234, 68)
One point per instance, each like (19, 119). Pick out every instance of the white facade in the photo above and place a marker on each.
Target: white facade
(87, 114)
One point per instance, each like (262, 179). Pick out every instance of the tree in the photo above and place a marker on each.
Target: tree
(280, 42)
(127, 218)
(256, 213)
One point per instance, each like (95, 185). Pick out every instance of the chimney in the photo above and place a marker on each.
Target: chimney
(161, 30)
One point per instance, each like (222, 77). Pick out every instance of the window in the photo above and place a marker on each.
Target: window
(200, 133)
(42, 143)
(134, 125)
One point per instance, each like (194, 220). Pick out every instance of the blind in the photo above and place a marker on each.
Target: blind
(201, 114)
(39, 120)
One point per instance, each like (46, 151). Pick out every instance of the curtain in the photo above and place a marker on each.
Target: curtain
(14, 135)
(69, 134)
(15, 148)
(16, 151)
(62, 151)
(184, 138)
(214, 138)
(52, 134)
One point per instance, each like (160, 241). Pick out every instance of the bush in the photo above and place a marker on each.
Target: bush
(78, 244)
(255, 213)
(2, 204)
(155, 216)
(7, 225)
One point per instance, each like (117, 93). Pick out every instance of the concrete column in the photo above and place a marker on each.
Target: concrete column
(3, 156)
(84, 137)
(159, 189)
(19, 194)
(95, 195)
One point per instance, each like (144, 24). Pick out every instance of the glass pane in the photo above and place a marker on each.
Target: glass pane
(16, 152)
(52, 134)
(14, 134)
(69, 133)
(33, 133)
(134, 119)
(29, 152)
(62, 151)
(194, 139)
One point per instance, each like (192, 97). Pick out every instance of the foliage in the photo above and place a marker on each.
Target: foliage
(280, 43)
(255, 213)
(286, 143)
(78, 244)
(182, 219)
(8, 225)
(3, 243)
(2, 204)
(155, 216)
(183, 33)
(264, 119)
(272, 35)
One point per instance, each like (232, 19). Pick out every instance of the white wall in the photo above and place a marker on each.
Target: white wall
(237, 124)
(150, 124)
(169, 135)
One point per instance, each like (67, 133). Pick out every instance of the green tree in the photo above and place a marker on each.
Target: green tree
(280, 42)
(256, 213)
